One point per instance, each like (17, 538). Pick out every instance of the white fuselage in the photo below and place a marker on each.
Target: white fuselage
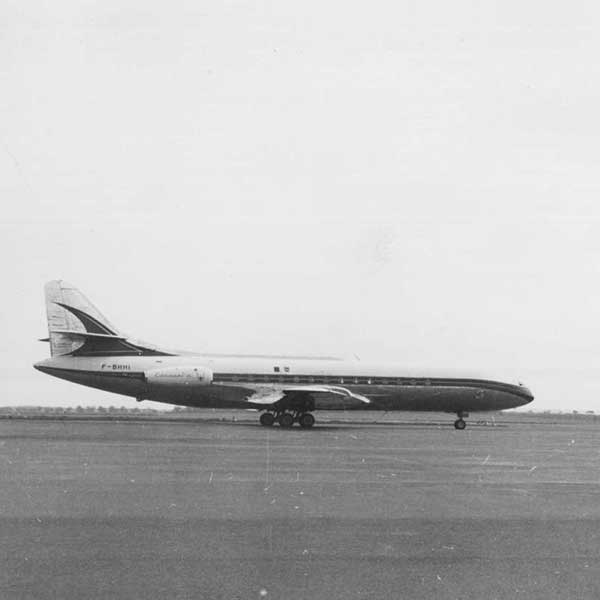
(207, 380)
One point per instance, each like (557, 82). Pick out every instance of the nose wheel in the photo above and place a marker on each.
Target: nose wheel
(460, 423)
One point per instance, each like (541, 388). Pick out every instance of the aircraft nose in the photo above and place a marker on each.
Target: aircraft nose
(525, 393)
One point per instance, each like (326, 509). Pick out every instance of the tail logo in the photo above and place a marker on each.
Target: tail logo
(91, 325)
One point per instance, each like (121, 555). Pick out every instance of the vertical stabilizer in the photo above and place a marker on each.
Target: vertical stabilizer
(68, 310)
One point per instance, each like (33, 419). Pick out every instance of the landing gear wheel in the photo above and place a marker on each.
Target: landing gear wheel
(306, 420)
(459, 424)
(267, 419)
(286, 420)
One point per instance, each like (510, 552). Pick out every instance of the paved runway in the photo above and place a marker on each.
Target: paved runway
(236, 511)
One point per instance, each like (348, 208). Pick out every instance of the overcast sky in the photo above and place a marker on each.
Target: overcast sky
(414, 182)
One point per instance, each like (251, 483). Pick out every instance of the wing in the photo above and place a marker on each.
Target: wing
(329, 394)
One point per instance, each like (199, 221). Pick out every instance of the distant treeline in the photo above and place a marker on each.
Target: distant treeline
(187, 412)
(88, 410)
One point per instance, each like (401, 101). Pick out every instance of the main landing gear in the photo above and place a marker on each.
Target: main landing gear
(460, 423)
(267, 419)
(287, 419)
(294, 407)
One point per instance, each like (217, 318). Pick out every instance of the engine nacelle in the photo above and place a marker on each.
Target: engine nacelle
(179, 377)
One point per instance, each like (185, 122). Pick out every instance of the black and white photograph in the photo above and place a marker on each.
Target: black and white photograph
(300, 300)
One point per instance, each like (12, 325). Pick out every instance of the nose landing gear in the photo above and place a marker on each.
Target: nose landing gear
(460, 423)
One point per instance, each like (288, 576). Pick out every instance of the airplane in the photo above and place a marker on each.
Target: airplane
(86, 349)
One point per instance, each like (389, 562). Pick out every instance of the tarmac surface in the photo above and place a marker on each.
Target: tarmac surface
(134, 509)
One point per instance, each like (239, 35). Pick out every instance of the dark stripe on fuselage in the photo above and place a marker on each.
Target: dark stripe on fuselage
(352, 380)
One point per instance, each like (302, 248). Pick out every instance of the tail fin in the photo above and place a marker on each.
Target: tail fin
(70, 312)
(76, 327)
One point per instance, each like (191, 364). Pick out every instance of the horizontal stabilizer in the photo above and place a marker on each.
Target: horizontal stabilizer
(88, 334)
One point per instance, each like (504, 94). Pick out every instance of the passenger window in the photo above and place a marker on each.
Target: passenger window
(276, 369)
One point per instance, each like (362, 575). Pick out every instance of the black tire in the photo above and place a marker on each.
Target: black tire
(460, 424)
(286, 420)
(267, 419)
(306, 420)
